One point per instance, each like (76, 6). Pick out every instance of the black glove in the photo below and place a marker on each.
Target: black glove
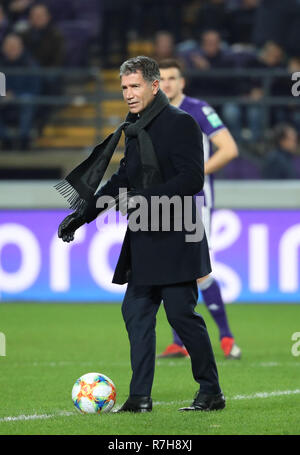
(70, 224)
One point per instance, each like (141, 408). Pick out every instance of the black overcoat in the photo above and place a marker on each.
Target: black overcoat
(161, 258)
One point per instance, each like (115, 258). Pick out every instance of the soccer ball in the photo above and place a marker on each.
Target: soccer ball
(94, 393)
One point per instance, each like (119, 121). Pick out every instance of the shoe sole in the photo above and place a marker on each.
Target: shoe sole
(234, 357)
(235, 353)
(138, 411)
(213, 407)
(172, 356)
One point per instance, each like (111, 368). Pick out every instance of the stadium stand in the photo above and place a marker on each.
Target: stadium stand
(234, 57)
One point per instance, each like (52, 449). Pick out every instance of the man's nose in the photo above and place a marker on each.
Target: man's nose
(129, 94)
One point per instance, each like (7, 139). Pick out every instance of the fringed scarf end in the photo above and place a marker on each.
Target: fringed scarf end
(70, 194)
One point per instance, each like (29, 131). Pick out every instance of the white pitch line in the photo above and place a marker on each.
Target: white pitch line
(275, 393)
(36, 416)
(159, 363)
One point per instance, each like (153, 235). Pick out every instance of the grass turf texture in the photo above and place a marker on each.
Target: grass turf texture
(50, 345)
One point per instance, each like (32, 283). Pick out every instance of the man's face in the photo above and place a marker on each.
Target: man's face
(290, 142)
(137, 92)
(171, 82)
(39, 17)
(294, 65)
(250, 3)
(211, 43)
(164, 45)
(12, 47)
(273, 54)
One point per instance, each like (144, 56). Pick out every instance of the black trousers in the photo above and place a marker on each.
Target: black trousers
(139, 310)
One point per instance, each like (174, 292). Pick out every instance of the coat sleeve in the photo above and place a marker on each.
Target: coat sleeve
(186, 157)
(111, 188)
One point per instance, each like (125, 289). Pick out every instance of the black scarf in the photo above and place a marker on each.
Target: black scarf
(81, 184)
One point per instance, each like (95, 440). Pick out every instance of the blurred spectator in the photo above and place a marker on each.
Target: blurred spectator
(80, 30)
(114, 31)
(147, 17)
(164, 46)
(252, 115)
(17, 12)
(46, 45)
(88, 14)
(279, 161)
(272, 56)
(213, 16)
(42, 39)
(61, 10)
(209, 55)
(279, 21)
(241, 22)
(281, 86)
(4, 24)
(18, 87)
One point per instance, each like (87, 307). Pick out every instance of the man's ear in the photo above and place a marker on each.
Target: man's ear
(155, 86)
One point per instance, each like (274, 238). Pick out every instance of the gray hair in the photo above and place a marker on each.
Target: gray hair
(148, 67)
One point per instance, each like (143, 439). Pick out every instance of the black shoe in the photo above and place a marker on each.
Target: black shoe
(136, 404)
(204, 402)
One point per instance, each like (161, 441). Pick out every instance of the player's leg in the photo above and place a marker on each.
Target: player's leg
(213, 300)
(175, 349)
(212, 297)
(211, 294)
(179, 302)
(139, 310)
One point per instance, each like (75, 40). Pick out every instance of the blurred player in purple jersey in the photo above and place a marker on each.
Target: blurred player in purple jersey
(216, 135)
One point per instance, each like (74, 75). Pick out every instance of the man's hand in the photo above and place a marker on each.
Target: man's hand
(70, 224)
(200, 62)
(256, 94)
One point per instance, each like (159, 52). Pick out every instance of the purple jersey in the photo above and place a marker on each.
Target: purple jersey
(210, 123)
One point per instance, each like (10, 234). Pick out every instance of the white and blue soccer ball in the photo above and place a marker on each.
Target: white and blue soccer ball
(94, 393)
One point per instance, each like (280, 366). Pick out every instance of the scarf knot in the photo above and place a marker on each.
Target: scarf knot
(131, 129)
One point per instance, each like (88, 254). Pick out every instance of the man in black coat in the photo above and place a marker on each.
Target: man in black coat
(159, 265)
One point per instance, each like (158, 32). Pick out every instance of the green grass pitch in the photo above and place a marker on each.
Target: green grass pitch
(48, 346)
